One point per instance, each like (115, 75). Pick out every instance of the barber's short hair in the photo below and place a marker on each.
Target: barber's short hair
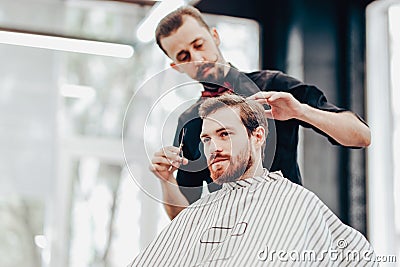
(252, 113)
(171, 22)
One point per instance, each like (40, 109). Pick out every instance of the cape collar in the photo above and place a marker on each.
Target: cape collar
(265, 177)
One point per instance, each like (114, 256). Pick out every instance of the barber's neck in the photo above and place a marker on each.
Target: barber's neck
(227, 67)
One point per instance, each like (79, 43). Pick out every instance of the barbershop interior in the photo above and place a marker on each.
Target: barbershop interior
(79, 125)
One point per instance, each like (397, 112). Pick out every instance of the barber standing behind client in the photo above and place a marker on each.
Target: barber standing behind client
(193, 48)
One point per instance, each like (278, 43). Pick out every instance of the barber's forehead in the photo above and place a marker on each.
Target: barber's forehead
(182, 37)
(190, 27)
(188, 18)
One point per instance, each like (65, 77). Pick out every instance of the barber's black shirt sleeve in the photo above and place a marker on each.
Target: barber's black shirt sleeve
(308, 94)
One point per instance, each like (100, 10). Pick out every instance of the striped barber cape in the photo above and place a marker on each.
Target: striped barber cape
(260, 221)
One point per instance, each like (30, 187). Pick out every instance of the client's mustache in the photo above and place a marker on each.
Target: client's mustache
(217, 157)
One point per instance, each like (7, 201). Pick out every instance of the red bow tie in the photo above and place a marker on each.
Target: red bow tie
(226, 88)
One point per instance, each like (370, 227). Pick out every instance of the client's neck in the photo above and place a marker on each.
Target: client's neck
(255, 170)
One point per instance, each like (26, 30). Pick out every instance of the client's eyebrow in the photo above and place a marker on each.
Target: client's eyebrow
(222, 129)
(203, 135)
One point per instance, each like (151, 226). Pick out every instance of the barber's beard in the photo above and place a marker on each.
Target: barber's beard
(216, 76)
(235, 170)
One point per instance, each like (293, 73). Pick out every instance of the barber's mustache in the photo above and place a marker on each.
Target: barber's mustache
(207, 64)
(203, 67)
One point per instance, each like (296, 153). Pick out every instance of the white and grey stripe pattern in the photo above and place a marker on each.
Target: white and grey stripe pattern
(261, 221)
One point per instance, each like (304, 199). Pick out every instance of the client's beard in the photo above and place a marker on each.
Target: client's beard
(236, 168)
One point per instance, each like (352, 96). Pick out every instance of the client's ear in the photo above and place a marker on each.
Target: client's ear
(259, 135)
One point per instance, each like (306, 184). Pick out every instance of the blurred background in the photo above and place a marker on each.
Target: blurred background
(69, 69)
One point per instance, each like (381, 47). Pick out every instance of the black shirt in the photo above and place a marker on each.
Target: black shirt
(282, 140)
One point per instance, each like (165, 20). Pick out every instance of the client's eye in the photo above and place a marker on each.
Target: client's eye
(205, 140)
(224, 134)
